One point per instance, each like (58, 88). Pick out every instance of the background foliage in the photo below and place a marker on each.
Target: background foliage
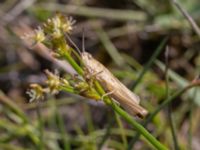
(131, 39)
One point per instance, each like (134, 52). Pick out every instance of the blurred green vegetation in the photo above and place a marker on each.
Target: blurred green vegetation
(123, 35)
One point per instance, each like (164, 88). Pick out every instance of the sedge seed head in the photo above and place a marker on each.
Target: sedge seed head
(38, 36)
(53, 82)
(36, 92)
(59, 25)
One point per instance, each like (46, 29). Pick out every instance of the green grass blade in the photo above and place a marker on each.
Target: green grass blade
(150, 62)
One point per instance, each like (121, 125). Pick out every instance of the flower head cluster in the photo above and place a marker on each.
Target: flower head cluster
(59, 25)
(53, 85)
(52, 34)
(37, 36)
(53, 82)
(36, 92)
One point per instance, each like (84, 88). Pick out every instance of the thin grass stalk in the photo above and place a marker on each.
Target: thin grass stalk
(13, 107)
(111, 49)
(123, 135)
(170, 115)
(190, 127)
(150, 138)
(149, 63)
(10, 104)
(187, 16)
(159, 108)
(61, 127)
(41, 144)
(73, 63)
(107, 133)
(191, 107)
(88, 116)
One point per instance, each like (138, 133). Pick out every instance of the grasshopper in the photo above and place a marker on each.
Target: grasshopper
(114, 88)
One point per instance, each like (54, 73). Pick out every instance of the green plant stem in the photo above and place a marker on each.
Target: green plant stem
(130, 120)
(172, 126)
(116, 108)
(69, 58)
(160, 107)
(139, 128)
(69, 90)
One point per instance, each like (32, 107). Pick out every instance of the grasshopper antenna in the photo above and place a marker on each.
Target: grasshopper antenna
(83, 40)
(71, 41)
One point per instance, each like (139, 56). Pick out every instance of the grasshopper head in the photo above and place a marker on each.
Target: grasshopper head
(86, 56)
(90, 63)
(87, 60)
